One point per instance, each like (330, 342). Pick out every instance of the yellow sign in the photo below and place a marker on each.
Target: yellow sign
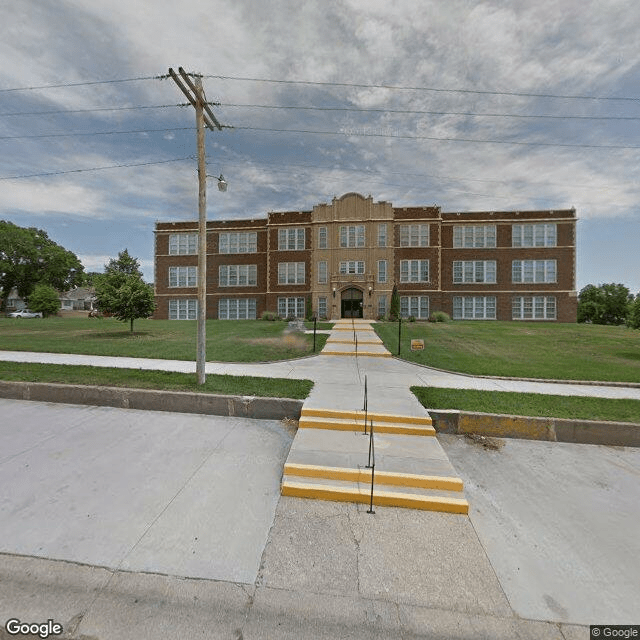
(417, 345)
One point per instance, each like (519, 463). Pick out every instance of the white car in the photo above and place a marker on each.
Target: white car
(25, 313)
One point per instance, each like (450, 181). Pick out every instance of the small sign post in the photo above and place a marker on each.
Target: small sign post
(417, 345)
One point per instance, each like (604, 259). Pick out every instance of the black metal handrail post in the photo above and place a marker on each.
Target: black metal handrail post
(365, 408)
(371, 465)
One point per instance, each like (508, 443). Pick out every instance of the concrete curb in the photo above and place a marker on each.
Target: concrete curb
(624, 434)
(154, 400)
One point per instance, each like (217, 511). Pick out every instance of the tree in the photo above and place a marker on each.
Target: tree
(394, 307)
(634, 314)
(604, 304)
(121, 291)
(45, 299)
(29, 257)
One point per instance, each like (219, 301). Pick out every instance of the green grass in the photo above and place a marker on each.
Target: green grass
(162, 380)
(227, 341)
(319, 325)
(527, 350)
(529, 404)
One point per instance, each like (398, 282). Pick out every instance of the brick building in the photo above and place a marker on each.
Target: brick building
(346, 256)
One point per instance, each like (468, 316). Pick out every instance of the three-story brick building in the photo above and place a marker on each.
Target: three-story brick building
(345, 257)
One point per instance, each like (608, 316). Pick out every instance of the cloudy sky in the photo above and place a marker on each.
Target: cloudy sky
(469, 105)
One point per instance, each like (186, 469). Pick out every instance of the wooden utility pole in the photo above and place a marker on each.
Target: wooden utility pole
(204, 117)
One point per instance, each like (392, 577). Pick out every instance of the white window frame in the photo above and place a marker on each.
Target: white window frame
(382, 271)
(534, 308)
(474, 307)
(322, 237)
(291, 239)
(292, 307)
(534, 235)
(237, 309)
(414, 306)
(322, 272)
(183, 309)
(322, 307)
(382, 234)
(414, 271)
(352, 236)
(291, 273)
(414, 235)
(237, 275)
(180, 277)
(474, 271)
(238, 242)
(534, 271)
(183, 244)
(481, 236)
(352, 267)
(382, 306)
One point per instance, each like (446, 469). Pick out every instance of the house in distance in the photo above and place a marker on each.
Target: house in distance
(345, 257)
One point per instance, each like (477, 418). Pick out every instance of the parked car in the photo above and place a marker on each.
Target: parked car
(25, 313)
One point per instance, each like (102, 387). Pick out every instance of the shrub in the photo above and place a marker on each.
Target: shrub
(412, 318)
(44, 299)
(269, 315)
(439, 316)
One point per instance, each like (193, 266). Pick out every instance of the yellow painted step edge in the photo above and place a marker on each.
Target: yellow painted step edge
(406, 430)
(359, 415)
(380, 498)
(331, 341)
(365, 354)
(440, 483)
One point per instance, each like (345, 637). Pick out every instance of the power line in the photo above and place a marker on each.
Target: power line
(96, 109)
(95, 133)
(114, 166)
(438, 139)
(80, 84)
(435, 89)
(423, 112)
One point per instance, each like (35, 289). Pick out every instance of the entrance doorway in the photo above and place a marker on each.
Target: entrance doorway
(351, 303)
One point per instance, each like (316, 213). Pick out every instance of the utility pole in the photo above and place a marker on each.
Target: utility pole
(204, 117)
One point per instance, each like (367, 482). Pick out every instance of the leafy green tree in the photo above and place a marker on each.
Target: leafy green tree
(634, 314)
(29, 257)
(44, 298)
(604, 304)
(394, 307)
(121, 291)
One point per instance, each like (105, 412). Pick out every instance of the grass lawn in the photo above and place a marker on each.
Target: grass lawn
(529, 404)
(163, 380)
(227, 340)
(522, 349)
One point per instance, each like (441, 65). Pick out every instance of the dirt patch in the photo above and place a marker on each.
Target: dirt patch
(493, 444)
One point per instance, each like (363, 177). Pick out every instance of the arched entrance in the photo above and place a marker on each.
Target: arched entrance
(351, 303)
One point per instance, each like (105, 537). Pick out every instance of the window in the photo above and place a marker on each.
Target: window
(470, 271)
(183, 276)
(322, 272)
(382, 306)
(183, 309)
(237, 275)
(291, 307)
(382, 235)
(352, 266)
(474, 237)
(241, 242)
(474, 307)
(181, 244)
(291, 273)
(416, 306)
(237, 309)
(290, 239)
(352, 236)
(534, 308)
(414, 271)
(533, 271)
(322, 237)
(414, 235)
(534, 235)
(322, 307)
(382, 270)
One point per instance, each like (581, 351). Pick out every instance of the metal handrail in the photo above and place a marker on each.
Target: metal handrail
(372, 466)
(365, 408)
